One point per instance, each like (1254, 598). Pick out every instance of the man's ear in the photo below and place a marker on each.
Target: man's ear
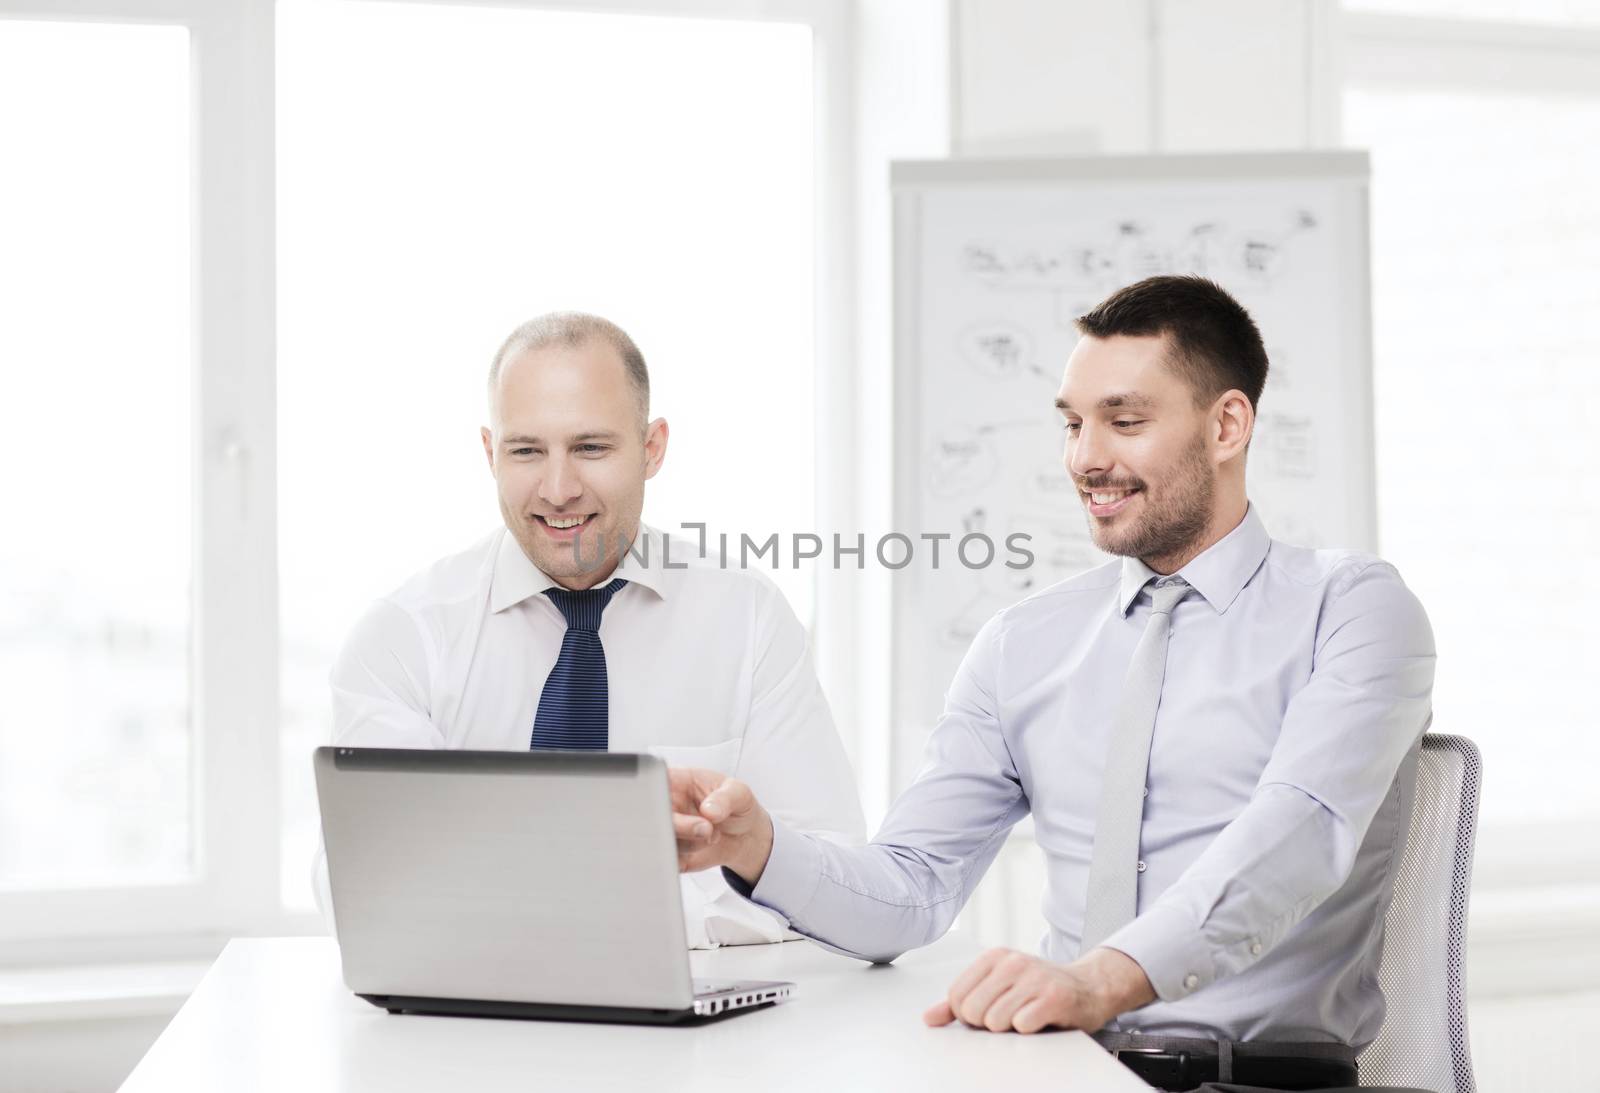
(488, 446)
(1233, 420)
(655, 446)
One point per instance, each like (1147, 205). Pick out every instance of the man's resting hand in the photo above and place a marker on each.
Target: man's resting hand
(1005, 990)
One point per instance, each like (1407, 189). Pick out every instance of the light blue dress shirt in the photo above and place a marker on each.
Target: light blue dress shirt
(1297, 689)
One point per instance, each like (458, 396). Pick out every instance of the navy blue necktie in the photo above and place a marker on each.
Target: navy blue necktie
(573, 709)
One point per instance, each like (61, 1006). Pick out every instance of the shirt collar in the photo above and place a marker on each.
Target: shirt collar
(1218, 573)
(516, 578)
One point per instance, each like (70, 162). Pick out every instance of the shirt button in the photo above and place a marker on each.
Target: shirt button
(1147, 791)
(1191, 981)
(1141, 867)
(1255, 948)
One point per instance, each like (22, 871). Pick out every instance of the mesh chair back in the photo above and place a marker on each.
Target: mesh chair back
(1423, 1042)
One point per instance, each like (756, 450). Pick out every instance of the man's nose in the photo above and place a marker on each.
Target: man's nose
(560, 483)
(1087, 453)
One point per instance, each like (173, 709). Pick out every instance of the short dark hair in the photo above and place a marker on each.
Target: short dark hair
(1215, 344)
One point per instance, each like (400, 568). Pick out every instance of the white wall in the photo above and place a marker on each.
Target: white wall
(1152, 76)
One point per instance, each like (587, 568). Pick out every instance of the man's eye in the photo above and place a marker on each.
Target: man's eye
(1072, 426)
(1128, 423)
(521, 451)
(592, 449)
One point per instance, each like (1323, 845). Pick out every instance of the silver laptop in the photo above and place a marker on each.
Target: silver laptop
(513, 884)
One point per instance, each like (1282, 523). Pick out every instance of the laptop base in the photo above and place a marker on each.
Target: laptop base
(547, 1011)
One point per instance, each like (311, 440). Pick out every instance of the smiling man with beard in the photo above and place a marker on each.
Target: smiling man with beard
(577, 627)
(1215, 735)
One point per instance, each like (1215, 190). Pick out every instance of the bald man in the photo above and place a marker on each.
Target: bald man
(575, 626)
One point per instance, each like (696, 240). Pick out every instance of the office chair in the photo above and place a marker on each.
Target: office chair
(1423, 1042)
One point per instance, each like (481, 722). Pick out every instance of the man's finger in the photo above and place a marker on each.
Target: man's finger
(938, 1014)
(981, 997)
(728, 799)
(1033, 1016)
(692, 859)
(976, 971)
(975, 974)
(690, 829)
(998, 1017)
(688, 786)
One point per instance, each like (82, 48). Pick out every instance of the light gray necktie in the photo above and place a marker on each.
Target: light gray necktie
(1113, 871)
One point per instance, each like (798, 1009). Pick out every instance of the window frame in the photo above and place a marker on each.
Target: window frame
(234, 663)
(233, 688)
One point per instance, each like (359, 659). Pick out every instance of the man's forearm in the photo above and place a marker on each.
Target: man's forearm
(873, 902)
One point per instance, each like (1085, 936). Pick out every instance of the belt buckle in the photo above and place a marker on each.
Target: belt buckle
(1176, 1074)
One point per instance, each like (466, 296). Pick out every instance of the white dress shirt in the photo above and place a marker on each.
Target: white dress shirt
(707, 667)
(1297, 688)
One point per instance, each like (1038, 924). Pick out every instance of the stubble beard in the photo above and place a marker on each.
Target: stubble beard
(1174, 519)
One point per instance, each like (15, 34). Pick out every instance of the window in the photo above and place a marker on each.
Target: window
(1485, 240)
(214, 467)
(96, 757)
(421, 219)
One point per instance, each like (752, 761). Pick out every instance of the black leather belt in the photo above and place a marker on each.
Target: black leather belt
(1181, 1063)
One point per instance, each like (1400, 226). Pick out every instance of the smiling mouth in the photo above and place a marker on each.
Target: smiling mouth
(564, 523)
(1107, 502)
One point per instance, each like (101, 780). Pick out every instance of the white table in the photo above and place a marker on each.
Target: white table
(273, 1014)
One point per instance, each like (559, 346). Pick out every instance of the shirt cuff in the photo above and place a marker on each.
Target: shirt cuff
(790, 879)
(726, 919)
(1176, 956)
